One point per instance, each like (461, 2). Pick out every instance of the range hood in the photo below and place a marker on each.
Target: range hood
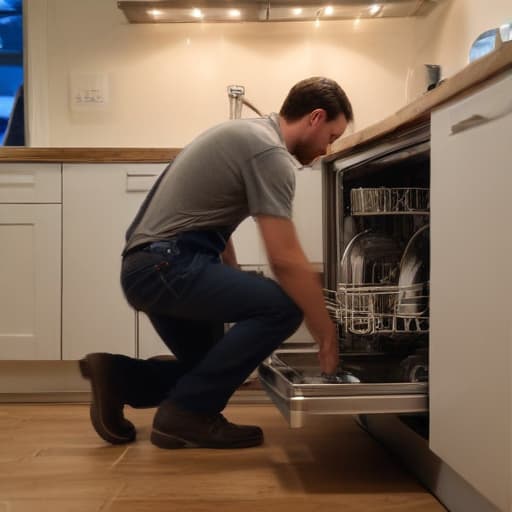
(195, 11)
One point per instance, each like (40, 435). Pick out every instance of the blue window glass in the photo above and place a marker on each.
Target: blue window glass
(484, 44)
(11, 73)
(490, 40)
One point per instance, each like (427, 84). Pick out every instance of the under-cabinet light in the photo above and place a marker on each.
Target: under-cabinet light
(155, 12)
(374, 9)
(194, 11)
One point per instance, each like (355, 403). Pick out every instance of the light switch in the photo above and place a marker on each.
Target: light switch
(88, 90)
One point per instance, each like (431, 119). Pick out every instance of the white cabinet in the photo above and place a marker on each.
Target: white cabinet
(307, 216)
(307, 212)
(471, 286)
(100, 201)
(249, 248)
(30, 250)
(149, 342)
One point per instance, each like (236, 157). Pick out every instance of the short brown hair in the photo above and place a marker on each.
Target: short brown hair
(316, 92)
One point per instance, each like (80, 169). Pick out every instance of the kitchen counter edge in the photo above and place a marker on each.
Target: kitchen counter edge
(88, 155)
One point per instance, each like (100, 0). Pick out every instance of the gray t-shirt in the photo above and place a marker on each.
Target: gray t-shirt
(233, 170)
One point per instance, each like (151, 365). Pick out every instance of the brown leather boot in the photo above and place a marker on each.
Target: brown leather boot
(108, 397)
(118, 380)
(174, 427)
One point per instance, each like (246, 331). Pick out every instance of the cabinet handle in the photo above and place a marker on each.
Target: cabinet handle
(478, 120)
(16, 180)
(136, 182)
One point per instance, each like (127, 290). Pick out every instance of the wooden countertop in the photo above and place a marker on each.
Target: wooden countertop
(466, 80)
(85, 155)
(463, 82)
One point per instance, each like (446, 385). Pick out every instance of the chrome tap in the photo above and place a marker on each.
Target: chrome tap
(236, 95)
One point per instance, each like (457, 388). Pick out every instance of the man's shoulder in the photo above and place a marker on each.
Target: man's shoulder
(261, 128)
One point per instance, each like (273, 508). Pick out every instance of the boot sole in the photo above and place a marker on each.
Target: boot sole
(173, 442)
(96, 419)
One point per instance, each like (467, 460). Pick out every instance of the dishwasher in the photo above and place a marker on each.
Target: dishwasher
(376, 248)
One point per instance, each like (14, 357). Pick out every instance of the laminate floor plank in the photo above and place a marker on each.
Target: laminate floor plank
(52, 460)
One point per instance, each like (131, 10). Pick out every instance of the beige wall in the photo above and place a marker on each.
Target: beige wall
(445, 37)
(168, 82)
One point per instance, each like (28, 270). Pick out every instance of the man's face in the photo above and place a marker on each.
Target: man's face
(318, 134)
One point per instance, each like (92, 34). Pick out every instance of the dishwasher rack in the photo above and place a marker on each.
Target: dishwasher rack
(389, 201)
(390, 309)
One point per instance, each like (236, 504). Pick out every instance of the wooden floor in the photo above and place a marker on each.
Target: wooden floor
(52, 460)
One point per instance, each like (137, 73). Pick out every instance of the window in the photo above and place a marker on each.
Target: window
(490, 40)
(11, 73)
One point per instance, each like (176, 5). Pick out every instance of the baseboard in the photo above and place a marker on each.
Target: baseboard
(61, 382)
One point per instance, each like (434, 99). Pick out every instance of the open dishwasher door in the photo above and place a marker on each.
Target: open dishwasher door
(366, 385)
(376, 246)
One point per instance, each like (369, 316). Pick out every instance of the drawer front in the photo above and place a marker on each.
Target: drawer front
(30, 183)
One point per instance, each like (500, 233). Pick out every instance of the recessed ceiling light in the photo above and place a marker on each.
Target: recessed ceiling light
(328, 10)
(375, 9)
(234, 13)
(297, 11)
(197, 13)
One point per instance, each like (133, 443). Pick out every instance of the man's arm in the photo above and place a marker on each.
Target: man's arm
(297, 277)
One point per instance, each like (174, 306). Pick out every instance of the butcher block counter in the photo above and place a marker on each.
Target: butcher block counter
(87, 155)
(461, 83)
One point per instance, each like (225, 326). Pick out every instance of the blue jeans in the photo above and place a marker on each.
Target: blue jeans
(188, 295)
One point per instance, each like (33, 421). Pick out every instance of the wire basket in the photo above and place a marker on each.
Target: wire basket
(391, 201)
(392, 310)
(331, 304)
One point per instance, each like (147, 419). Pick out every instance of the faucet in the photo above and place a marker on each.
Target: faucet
(236, 95)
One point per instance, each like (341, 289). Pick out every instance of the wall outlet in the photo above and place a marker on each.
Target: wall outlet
(88, 90)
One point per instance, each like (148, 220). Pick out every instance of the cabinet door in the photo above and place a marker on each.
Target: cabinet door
(471, 284)
(307, 217)
(30, 248)
(99, 202)
(248, 244)
(150, 343)
(307, 212)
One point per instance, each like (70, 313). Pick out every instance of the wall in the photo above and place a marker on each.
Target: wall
(168, 82)
(446, 35)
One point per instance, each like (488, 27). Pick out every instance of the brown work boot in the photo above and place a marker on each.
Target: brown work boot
(174, 427)
(108, 397)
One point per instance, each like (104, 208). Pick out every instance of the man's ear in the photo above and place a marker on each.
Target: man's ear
(317, 116)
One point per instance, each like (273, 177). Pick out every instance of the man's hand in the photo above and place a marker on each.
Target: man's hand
(328, 355)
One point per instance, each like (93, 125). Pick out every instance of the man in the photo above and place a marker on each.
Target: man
(179, 267)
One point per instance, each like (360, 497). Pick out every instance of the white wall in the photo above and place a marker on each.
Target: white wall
(168, 82)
